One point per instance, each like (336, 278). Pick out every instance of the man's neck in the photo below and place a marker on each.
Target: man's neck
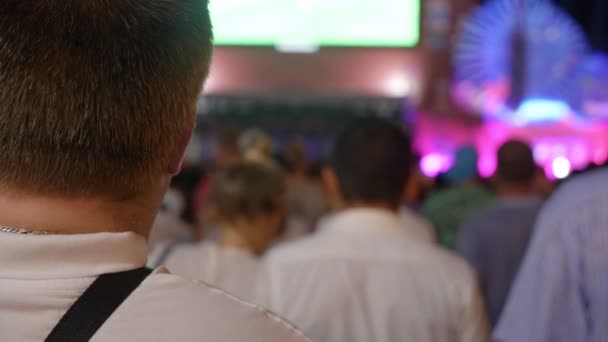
(75, 216)
(371, 205)
(233, 237)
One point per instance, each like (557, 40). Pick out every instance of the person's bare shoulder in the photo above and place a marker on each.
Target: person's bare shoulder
(169, 308)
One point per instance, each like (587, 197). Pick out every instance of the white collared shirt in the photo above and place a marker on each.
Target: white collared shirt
(418, 226)
(42, 276)
(364, 278)
(231, 269)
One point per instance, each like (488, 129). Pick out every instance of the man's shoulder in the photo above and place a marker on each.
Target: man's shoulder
(295, 250)
(192, 252)
(412, 217)
(463, 282)
(590, 185)
(183, 310)
(579, 202)
(411, 251)
(446, 261)
(438, 262)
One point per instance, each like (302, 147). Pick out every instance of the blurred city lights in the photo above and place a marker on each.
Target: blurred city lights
(561, 167)
(398, 86)
(432, 165)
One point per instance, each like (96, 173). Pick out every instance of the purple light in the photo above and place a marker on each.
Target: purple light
(542, 152)
(433, 164)
(561, 167)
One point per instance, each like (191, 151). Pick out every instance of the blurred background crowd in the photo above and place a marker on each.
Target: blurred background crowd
(501, 102)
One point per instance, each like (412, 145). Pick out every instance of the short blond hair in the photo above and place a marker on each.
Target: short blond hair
(248, 190)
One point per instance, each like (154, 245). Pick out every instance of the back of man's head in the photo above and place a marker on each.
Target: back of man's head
(97, 97)
(515, 164)
(371, 159)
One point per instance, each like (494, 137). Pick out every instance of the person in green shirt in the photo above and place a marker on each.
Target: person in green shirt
(448, 209)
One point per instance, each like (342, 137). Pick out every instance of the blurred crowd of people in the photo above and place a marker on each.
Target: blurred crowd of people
(368, 249)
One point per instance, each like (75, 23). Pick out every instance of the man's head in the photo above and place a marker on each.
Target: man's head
(464, 169)
(255, 145)
(249, 198)
(97, 98)
(516, 167)
(370, 163)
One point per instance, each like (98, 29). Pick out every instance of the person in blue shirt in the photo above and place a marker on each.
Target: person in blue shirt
(495, 240)
(561, 292)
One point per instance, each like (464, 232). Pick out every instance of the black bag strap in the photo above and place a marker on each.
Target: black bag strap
(96, 305)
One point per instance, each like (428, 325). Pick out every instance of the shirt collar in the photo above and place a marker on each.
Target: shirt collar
(363, 221)
(69, 256)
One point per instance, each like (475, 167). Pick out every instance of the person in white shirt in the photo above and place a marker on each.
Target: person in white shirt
(418, 226)
(307, 200)
(248, 200)
(363, 277)
(97, 105)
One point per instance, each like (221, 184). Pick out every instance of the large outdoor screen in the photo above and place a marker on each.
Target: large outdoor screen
(316, 23)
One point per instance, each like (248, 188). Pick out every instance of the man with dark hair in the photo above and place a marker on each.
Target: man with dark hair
(495, 240)
(363, 277)
(371, 163)
(516, 167)
(97, 103)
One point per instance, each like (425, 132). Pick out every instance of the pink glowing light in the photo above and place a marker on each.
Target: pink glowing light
(434, 164)
(600, 156)
(579, 156)
(487, 166)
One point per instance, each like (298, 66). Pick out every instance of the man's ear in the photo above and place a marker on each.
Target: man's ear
(175, 166)
(411, 188)
(333, 187)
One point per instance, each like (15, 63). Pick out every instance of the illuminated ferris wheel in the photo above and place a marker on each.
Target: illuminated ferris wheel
(514, 53)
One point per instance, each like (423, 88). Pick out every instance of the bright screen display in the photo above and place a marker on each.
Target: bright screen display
(315, 23)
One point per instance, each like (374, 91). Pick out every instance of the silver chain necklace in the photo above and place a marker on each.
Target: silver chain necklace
(20, 231)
